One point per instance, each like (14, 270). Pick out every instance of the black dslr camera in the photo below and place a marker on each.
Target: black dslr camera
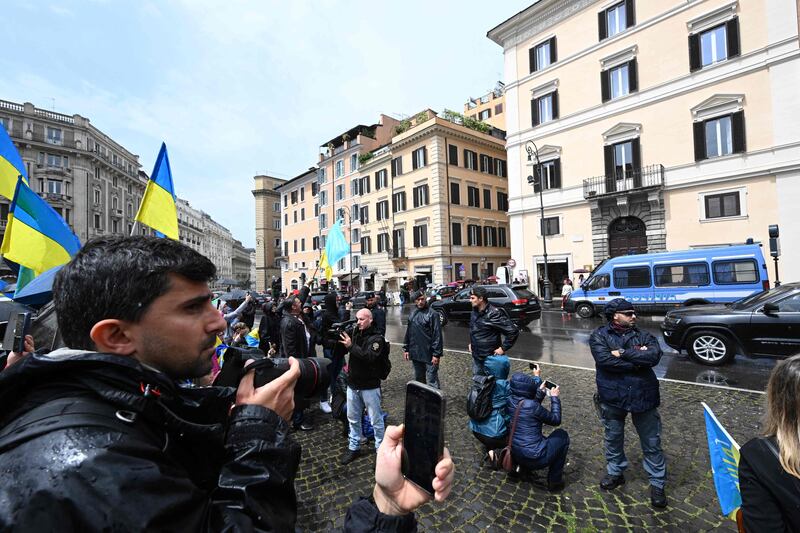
(337, 328)
(314, 376)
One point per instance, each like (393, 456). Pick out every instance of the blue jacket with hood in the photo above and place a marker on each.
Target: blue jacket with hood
(529, 442)
(498, 423)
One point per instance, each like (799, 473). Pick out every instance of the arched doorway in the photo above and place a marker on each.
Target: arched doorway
(626, 235)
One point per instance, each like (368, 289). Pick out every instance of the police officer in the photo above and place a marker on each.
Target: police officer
(624, 357)
(378, 312)
(423, 341)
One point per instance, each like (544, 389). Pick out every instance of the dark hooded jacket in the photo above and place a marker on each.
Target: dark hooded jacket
(626, 382)
(93, 442)
(529, 442)
(294, 341)
(487, 330)
(365, 368)
(330, 316)
(269, 329)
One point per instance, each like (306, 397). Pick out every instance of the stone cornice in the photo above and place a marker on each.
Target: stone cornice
(534, 20)
(453, 131)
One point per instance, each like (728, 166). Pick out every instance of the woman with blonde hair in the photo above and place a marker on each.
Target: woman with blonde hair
(769, 466)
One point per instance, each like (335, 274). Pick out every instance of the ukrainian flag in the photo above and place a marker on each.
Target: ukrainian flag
(158, 209)
(11, 166)
(336, 246)
(36, 236)
(325, 266)
(724, 456)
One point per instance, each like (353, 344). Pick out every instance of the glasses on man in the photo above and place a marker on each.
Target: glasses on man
(627, 313)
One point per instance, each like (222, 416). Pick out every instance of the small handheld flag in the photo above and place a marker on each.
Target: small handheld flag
(724, 455)
(158, 209)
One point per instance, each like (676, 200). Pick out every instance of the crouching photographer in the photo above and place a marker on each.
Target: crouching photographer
(98, 436)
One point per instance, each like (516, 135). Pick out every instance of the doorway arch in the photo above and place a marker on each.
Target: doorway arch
(627, 235)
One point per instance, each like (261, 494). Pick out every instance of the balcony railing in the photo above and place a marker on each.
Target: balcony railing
(629, 180)
(398, 253)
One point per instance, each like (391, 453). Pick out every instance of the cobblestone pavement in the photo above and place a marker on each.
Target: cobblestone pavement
(485, 500)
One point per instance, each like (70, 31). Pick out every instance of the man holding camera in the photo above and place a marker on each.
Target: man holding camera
(491, 332)
(366, 347)
(423, 341)
(624, 357)
(99, 437)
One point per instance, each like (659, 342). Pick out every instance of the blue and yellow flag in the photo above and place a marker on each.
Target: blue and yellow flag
(336, 246)
(11, 166)
(724, 454)
(325, 266)
(158, 209)
(36, 236)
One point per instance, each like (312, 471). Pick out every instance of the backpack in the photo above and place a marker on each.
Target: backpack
(479, 399)
(386, 364)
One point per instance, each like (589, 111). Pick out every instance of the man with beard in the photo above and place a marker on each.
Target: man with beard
(423, 341)
(99, 437)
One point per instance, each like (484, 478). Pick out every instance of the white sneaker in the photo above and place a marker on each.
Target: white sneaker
(325, 407)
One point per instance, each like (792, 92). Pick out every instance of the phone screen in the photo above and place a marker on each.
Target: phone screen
(550, 384)
(423, 441)
(16, 329)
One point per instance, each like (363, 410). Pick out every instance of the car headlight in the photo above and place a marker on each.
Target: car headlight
(672, 320)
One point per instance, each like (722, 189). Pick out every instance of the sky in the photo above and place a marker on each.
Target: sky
(237, 88)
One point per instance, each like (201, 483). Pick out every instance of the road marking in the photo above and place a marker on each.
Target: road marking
(576, 367)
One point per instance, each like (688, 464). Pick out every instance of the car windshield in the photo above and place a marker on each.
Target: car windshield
(758, 298)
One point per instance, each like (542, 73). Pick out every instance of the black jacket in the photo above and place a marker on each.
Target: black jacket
(423, 338)
(364, 367)
(770, 496)
(378, 319)
(294, 341)
(627, 382)
(180, 464)
(269, 331)
(487, 329)
(331, 316)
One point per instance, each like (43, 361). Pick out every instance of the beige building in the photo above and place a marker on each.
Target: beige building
(240, 265)
(300, 229)
(217, 245)
(489, 108)
(652, 126)
(268, 229)
(190, 225)
(433, 205)
(87, 177)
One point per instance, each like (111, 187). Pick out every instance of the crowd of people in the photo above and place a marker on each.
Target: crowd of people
(109, 433)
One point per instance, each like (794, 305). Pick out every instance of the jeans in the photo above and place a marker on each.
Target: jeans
(356, 401)
(554, 457)
(427, 373)
(648, 426)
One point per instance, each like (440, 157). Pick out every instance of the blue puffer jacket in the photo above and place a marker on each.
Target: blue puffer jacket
(498, 423)
(628, 381)
(529, 442)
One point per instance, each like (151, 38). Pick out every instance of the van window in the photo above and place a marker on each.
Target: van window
(693, 274)
(735, 271)
(631, 278)
(598, 282)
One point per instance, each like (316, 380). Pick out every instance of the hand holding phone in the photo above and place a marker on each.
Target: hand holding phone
(424, 434)
(549, 384)
(16, 330)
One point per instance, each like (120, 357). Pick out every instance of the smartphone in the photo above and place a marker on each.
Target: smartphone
(533, 366)
(549, 384)
(16, 329)
(423, 441)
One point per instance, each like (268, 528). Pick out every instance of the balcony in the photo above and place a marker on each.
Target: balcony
(648, 177)
(56, 197)
(398, 254)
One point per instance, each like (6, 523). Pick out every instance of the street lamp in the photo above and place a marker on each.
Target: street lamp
(536, 174)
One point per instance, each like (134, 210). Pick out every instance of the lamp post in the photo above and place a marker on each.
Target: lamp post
(536, 174)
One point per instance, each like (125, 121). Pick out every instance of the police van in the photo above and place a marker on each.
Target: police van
(662, 281)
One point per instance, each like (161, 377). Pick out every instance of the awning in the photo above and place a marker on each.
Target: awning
(393, 275)
(347, 277)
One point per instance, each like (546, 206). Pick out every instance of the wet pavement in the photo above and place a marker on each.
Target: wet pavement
(563, 339)
(487, 500)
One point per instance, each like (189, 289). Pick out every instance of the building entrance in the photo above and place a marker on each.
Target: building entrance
(626, 236)
(557, 271)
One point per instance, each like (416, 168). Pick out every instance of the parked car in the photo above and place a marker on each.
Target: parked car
(663, 281)
(440, 292)
(519, 303)
(767, 323)
(318, 298)
(359, 300)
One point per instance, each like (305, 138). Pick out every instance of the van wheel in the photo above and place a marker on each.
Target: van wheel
(710, 348)
(584, 310)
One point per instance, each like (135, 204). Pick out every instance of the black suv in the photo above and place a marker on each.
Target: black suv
(520, 304)
(767, 323)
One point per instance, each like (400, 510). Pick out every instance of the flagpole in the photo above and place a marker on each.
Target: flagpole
(133, 228)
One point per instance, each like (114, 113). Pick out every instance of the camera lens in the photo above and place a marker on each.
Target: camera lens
(314, 375)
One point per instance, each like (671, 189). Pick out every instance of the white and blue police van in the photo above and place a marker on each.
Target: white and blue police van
(662, 281)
